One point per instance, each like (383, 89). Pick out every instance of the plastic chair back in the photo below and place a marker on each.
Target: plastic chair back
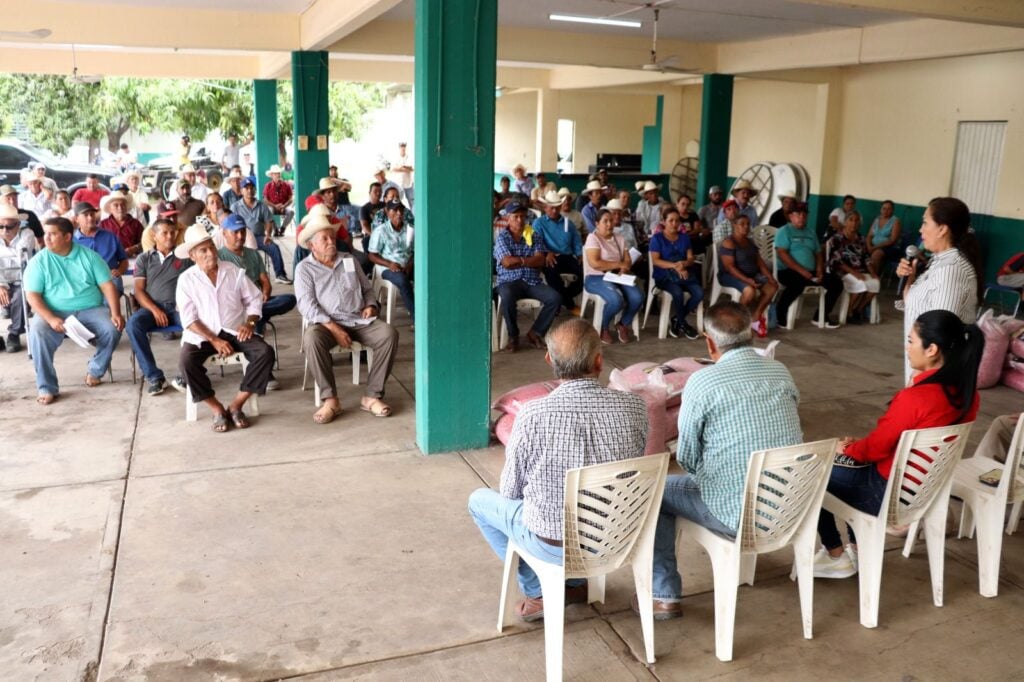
(607, 507)
(923, 468)
(783, 486)
(763, 237)
(1010, 484)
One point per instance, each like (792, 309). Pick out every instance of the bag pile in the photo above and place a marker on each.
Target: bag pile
(1013, 369)
(999, 363)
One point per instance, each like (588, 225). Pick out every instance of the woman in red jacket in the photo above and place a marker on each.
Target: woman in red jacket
(946, 352)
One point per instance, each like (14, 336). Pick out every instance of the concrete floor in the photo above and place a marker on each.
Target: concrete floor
(141, 547)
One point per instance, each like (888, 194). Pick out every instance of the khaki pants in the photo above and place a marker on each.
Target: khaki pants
(382, 338)
(996, 442)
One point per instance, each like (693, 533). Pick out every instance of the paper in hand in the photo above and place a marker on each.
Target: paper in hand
(77, 332)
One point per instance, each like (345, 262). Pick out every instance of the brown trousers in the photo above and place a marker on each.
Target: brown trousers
(382, 338)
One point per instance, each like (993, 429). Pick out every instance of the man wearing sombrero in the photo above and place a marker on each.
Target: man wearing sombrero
(278, 195)
(120, 221)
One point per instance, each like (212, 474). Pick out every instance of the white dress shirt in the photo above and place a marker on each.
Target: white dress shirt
(220, 307)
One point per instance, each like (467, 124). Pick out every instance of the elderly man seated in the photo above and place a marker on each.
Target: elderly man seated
(391, 250)
(337, 300)
(219, 308)
(188, 206)
(156, 282)
(741, 404)
(260, 221)
(277, 194)
(121, 223)
(519, 264)
(17, 244)
(578, 424)
(565, 249)
(62, 280)
(103, 242)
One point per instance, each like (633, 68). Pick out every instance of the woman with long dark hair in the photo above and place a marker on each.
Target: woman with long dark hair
(946, 353)
(949, 281)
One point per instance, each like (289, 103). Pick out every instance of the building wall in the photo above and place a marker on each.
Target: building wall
(515, 131)
(606, 122)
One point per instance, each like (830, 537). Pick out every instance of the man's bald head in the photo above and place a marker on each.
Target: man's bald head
(574, 350)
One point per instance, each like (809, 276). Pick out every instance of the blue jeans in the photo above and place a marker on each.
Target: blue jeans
(274, 251)
(499, 519)
(138, 328)
(682, 498)
(511, 292)
(44, 342)
(676, 287)
(404, 286)
(274, 306)
(860, 487)
(615, 297)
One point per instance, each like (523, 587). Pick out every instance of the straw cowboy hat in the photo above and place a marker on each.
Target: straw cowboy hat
(318, 211)
(317, 224)
(518, 166)
(194, 236)
(187, 168)
(649, 186)
(235, 173)
(273, 169)
(8, 212)
(742, 184)
(326, 184)
(614, 205)
(129, 202)
(787, 194)
(593, 186)
(566, 192)
(550, 198)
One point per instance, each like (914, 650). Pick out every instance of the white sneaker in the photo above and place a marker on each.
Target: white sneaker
(842, 566)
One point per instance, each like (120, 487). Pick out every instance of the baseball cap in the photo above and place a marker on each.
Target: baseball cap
(248, 182)
(120, 187)
(715, 189)
(232, 223)
(84, 207)
(166, 209)
(393, 204)
(513, 207)
(729, 202)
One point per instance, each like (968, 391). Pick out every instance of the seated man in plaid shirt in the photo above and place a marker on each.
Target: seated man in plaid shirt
(742, 404)
(578, 424)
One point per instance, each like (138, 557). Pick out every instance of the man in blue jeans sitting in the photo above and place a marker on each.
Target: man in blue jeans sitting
(390, 248)
(742, 404)
(519, 264)
(259, 218)
(156, 280)
(528, 506)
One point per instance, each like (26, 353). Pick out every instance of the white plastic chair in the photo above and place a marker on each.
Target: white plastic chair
(793, 314)
(769, 350)
(781, 499)
(763, 237)
(922, 473)
(598, 302)
(984, 507)
(716, 288)
(874, 316)
(382, 285)
(252, 405)
(499, 330)
(665, 305)
(355, 349)
(610, 511)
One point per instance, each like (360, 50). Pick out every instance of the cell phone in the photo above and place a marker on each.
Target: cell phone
(991, 477)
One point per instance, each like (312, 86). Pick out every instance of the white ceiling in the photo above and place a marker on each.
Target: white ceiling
(278, 6)
(689, 20)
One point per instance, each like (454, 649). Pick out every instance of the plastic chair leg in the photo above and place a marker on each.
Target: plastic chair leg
(726, 568)
(935, 537)
(748, 567)
(664, 317)
(844, 306)
(642, 579)
(803, 561)
(870, 546)
(507, 584)
(595, 589)
(908, 544)
(990, 547)
(1011, 525)
(552, 586)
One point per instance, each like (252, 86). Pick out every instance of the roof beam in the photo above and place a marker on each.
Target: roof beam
(996, 12)
(325, 22)
(138, 64)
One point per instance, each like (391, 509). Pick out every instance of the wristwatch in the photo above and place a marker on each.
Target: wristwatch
(251, 323)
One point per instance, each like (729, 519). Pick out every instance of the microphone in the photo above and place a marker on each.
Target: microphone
(911, 253)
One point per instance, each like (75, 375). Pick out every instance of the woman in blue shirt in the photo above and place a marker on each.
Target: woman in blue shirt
(672, 256)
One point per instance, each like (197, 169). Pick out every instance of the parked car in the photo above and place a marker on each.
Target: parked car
(159, 174)
(16, 155)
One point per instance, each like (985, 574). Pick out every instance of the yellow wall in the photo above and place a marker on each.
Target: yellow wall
(690, 117)
(515, 131)
(899, 122)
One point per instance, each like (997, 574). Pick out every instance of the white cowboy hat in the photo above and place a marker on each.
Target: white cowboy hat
(236, 173)
(194, 236)
(648, 186)
(550, 198)
(187, 168)
(133, 173)
(8, 212)
(325, 184)
(787, 194)
(518, 166)
(593, 186)
(741, 184)
(129, 202)
(565, 192)
(273, 169)
(614, 205)
(316, 211)
(316, 224)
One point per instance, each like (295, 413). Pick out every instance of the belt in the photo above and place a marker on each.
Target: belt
(548, 541)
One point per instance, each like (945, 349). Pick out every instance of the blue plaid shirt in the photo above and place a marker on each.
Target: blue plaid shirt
(505, 245)
(742, 404)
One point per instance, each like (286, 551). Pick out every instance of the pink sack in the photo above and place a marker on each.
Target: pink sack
(513, 401)
(672, 423)
(996, 342)
(655, 400)
(632, 378)
(673, 376)
(1017, 344)
(503, 427)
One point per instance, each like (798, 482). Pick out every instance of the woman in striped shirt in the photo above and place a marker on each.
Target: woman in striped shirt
(949, 281)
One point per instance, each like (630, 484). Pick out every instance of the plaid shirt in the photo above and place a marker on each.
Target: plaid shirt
(742, 404)
(578, 424)
(505, 245)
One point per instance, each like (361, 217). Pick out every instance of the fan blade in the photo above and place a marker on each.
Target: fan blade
(649, 5)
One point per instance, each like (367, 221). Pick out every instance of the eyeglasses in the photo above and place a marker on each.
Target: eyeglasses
(10, 227)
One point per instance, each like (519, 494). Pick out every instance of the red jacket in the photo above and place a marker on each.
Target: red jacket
(128, 233)
(277, 192)
(915, 407)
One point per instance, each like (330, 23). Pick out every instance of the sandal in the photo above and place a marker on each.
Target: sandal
(530, 609)
(239, 419)
(321, 417)
(378, 408)
(91, 381)
(220, 422)
(45, 398)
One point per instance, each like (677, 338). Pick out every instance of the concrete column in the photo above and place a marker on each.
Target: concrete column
(671, 123)
(546, 158)
(265, 130)
(455, 67)
(650, 160)
(715, 127)
(310, 125)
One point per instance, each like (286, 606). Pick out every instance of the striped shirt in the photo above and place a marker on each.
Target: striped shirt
(742, 404)
(948, 283)
(578, 424)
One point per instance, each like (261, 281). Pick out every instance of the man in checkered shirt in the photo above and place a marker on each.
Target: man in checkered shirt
(744, 403)
(578, 424)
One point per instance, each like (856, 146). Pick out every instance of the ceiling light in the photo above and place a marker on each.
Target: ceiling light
(595, 20)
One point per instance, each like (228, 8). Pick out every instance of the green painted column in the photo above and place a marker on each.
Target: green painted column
(311, 124)
(715, 126)
(650, 161)
(265, 128)
(456, 52)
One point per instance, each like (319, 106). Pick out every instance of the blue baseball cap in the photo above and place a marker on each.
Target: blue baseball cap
(232, 223)
(120, 187)
(248, 182)
(513, 207)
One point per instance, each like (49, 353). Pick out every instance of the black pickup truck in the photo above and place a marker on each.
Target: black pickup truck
(16, 155)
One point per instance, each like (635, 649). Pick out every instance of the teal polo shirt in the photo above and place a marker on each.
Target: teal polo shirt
(70, 282)
(802, 245)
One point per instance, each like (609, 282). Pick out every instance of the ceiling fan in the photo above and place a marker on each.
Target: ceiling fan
(81, 79)
(37, 34)
(668, 64)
